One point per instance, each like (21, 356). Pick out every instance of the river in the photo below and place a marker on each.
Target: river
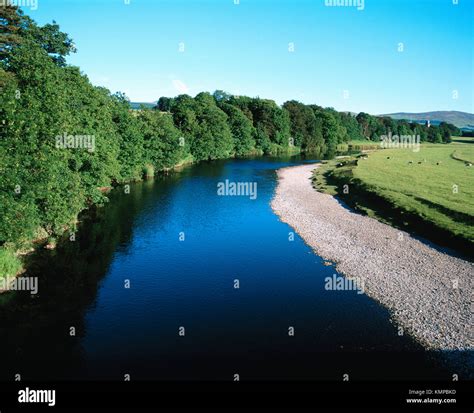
(181, 249)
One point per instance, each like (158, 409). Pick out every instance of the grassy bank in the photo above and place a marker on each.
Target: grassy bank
(429, 192)
(10, 263)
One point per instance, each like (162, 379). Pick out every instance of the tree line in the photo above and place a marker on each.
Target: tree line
(43, 186)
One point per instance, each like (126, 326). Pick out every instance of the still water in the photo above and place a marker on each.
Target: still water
(181, 247)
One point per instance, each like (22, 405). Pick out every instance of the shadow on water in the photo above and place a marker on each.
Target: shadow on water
(35, 330)
(135, 236)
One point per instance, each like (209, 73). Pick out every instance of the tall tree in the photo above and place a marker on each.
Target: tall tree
(242, 130)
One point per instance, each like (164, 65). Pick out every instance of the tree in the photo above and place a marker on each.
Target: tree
(368, 124)
(129, 129)
(56, 43)
(243, 132)
(184, 115)
(332, 132)
(301, 121)
(306, 127)
(314, 142)
(11, 21)
(221, 96)
(448, 130)
(349, 122)
(434, 135)
(164, 104)
(162, 146)
(272, 121)
(45, 184)
(213, 139)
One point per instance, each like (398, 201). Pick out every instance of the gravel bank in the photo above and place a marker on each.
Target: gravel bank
(428, 292)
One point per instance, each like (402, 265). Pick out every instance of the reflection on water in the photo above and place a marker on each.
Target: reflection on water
(137, 238)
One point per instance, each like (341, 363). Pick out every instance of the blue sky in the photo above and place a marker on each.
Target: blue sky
(343, 57)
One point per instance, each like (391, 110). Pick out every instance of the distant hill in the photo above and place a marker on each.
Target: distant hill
(137, 105)
(462, 120)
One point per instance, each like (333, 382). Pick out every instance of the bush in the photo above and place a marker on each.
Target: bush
(10, 265)
(149, 171)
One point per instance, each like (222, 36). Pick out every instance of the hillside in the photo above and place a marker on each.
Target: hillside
(138, 105)
(462, 120)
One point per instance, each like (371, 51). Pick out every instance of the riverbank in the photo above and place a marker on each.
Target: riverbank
(398, 205)
(137, 233)
(12, 258)
(426, 290)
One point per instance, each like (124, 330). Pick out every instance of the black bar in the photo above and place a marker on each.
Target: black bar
(341, 395)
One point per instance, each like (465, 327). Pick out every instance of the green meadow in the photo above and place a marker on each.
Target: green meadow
(433, 186)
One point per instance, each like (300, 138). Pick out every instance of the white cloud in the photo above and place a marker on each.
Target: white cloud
(180, 86)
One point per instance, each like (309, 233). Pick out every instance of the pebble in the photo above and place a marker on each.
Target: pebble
(411, 279)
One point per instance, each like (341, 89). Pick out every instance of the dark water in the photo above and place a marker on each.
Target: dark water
(190, 284)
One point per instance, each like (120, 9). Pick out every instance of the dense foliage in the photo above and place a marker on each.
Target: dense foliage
(64, 141)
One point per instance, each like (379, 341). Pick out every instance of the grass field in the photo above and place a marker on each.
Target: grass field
(434, 185)
(463, 149)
